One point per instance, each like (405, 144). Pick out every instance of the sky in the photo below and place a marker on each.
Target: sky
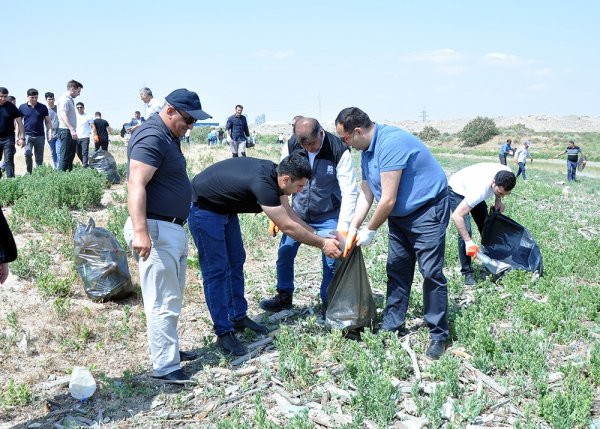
(392, 59)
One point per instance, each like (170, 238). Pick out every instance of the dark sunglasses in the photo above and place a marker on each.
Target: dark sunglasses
(187, 118)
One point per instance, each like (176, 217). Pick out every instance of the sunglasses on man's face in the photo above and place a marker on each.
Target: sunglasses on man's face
(187, 118)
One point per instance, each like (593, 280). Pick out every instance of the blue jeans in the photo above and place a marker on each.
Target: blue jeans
(420, 236)
(522, 170)
(571, 170)
(221, 254)
(288, 248)
(54, 150)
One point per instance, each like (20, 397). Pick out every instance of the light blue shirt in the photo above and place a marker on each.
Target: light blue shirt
(394, 149)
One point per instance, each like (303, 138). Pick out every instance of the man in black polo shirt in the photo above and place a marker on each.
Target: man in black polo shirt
(35, 116)
(158, 203)
(9, 116)
(102, 130)
(573, 152)
(243, 185)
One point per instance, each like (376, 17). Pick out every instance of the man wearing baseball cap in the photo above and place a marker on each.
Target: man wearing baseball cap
(159, 201)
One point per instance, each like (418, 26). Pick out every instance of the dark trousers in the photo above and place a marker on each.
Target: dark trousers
(502, 159)
(420, 236)
(34, 145)
(83, 150)
(102, 144)
(571, 170)
(7, 152)
(479, 213)
(67, 150)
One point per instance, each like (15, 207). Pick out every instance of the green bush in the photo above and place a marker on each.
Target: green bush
(478, 131)
(429, 133)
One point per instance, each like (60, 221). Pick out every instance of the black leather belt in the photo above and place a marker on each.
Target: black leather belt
(170, 219)
(443, 193)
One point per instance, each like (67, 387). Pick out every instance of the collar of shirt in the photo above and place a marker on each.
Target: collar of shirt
(371, 147)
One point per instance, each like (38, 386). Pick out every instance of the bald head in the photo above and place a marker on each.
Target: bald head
(309, 133)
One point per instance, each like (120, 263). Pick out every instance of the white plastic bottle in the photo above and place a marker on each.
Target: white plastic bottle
(82, 384)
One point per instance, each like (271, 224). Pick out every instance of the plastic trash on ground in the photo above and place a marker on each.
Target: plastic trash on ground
(349, 296)
(82, 384)
(104, 162)
(101, 263)
(505, 240)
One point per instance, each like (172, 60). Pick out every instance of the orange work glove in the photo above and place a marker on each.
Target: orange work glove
(472, 248)
(350, 240)
(96, 138)
(273, 229)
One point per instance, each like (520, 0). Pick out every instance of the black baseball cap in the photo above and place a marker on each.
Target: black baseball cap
(189, 102)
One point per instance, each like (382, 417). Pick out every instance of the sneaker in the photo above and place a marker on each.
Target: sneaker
(246, 322)
(469, 279)
(436, 349)
(229, 343)
(281, 301)
(187, 356)
(175, 377)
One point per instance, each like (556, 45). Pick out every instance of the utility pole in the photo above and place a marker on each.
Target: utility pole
(424, 115)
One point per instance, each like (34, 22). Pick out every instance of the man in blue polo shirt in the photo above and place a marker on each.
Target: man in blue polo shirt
(35, 116)
(412, 195)
(505, 151)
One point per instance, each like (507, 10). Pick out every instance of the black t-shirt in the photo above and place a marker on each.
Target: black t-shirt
(169, 192)
(237, 185)
(102, 129)
(8, 114)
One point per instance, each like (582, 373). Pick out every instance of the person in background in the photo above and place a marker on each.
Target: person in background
(159, 203)
(237, 132)
(67, 125)
(220, 135)
(411, 191)
(573, 152)
(521, 156)
(102, 130)
(35, 116)
(505, 151)
(152, 104)
(54, 142)
(86, 130)
(469, 188)
(11, 123)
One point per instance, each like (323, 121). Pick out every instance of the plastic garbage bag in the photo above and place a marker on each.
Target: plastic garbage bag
(82, 384)
(349, 297)
(507, 241)
(101, 263)
(104, 162)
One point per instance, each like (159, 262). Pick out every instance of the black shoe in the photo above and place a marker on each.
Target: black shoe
(246, 322)
(187, 356)
(176, 377)
(469, 279)
(436, 349)
(281, 301)
(231, 345)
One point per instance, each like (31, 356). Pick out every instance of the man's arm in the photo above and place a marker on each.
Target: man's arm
(20, 131)
(72, 128)
(349, 189)
(94, 132)
(390, 181)
(139, 175)
(363, 204)
(289, 223)
(458, 217)
(49, 131)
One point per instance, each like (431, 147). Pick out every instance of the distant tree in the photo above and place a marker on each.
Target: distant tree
(429, 133)
(478, 131)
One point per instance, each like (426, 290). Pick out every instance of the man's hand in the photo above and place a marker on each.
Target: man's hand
(74, 135)
(365, 237)
(3, 272)
(273, 229)
(141, 245)
(499, 206)
(330, 248)
(341, 236)
(350, 240)
(472, 248)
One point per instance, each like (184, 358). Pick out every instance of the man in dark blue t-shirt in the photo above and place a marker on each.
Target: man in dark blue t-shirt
(35, 116)
(159, 202)
(237, 132)
(9, 117)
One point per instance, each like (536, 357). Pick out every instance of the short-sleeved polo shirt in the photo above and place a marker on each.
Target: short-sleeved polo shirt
(394, 149)
(8, 114)
(474, 182)
(33, 118)
(66, 105)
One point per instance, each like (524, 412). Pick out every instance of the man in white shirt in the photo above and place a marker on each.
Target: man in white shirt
(67, 126)
(469, 188)
(152, 104)
(85, 131)
(326, 203)
(521, 156)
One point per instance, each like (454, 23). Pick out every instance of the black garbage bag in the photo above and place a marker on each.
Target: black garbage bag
(101, 263)
(507, 241)
(104, 162)
(350, 304)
